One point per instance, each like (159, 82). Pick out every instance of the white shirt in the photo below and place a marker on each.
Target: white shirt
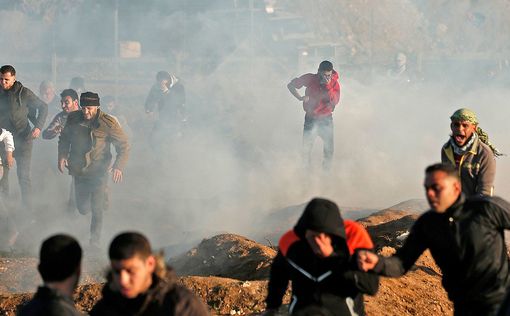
(6, 137)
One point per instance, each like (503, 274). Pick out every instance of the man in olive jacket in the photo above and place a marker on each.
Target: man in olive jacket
(84, 149)
(18, 107)
(470, 151)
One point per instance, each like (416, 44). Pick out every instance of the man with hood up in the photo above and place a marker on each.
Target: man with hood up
(18, 105)
(322, 94)
(470, 151)
(317, 256)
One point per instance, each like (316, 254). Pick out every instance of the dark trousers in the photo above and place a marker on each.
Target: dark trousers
(474, 309)
(23, 156)
(91, 194)
(322, 127)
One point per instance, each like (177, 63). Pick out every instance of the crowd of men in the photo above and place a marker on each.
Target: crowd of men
(330, 262)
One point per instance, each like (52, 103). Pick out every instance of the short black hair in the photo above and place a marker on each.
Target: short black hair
(163, 75)
(447, 168)
(128, 245)
(326, 66)
(69, 93)
(8, 68)
(59, 257)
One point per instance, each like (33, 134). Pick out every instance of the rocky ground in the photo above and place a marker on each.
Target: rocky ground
(230, 273)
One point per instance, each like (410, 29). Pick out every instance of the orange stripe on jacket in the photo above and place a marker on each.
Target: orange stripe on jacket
(287, 240)
(357, 236)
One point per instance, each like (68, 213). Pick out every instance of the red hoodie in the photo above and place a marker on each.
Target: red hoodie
(323, 99)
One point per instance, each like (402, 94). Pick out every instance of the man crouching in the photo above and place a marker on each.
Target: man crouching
(137, 285)
(317, 256)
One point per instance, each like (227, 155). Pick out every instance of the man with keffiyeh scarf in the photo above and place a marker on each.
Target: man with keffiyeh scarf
(470, 151)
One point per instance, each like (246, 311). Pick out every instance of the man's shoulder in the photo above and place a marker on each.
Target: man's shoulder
(446, 145)
(180, 300)
(74, 117)
(484, 149)
(484, 202)
(426, 218)
(110, 120)
(49, 306)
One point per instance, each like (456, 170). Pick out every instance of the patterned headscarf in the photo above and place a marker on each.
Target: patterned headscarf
(470, 116)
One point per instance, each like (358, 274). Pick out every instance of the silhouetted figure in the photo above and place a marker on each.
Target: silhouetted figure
(60, 269)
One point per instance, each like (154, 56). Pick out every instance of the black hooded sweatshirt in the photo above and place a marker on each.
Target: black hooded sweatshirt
(331, 283)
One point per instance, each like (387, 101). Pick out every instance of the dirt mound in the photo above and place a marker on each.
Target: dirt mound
(85, 297)
(228, 296)
(226, 255)
(409, 207)
(224, 296)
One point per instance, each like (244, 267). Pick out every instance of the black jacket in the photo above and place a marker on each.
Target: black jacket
(333, 283)
(165, 298)
(17, 106)
(467, 243)
(48, 302)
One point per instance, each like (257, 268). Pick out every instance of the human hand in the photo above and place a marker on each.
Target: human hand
(320, 243)
(305, 98)
(10, 159)
(62, 163)
(367, 260)
(116, 175)
(269, 312)
(35, 133)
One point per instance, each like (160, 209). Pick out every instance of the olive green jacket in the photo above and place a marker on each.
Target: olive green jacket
(104, 130)
(477, 168)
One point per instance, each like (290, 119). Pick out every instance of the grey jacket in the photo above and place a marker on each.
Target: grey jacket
(477, 168)
(17, 106)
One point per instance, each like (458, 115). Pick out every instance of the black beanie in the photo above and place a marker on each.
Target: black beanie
(89, 99)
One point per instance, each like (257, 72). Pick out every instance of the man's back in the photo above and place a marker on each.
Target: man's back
(49, 302)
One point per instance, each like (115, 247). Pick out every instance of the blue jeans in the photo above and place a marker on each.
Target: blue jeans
(322, 127)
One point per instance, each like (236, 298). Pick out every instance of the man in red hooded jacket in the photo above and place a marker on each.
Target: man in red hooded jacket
(322, 94)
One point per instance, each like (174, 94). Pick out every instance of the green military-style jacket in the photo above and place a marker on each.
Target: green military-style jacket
(93, 156)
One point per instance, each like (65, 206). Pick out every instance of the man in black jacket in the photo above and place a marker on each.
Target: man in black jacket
(465, 238)
(59, 266)
(18, 105)
(317, 257)
(140, 285)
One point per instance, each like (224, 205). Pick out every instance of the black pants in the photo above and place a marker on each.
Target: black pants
(322, 127)
(91, 193)
(474, 309)
(23, 156)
